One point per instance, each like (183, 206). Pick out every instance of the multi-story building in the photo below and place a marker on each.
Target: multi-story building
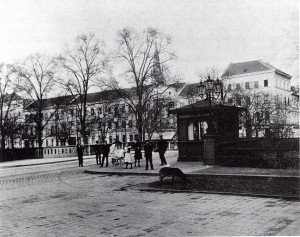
(258, 75)
(110, 117)
(260, 78)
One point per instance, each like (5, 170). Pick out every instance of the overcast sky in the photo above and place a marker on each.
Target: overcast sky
(205, 33)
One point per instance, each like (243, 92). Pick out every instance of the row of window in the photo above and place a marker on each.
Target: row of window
(238, 101)
(116, 109)
(248, 85)
(132, 137)
(282, 84)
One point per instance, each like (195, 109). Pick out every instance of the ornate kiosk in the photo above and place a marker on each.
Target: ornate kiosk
(202, 125)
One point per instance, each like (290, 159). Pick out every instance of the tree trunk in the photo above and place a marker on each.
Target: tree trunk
(3, 142)
(83, 133)
(39, 135)
(2, 135)
(140, 126)
(12, 141)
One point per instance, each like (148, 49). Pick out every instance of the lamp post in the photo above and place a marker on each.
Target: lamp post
(210, 90)
(101, 119)
(116, 124)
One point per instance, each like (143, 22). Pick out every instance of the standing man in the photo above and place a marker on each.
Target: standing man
(106, 149)
(162, 146)
(80, 149)
(97, 153)
(148, 154)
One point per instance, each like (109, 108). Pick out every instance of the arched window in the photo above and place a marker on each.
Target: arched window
(257, 116)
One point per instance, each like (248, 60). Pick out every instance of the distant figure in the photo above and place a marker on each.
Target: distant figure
(80, 149)
(162, 146)
(97, 153)
(106, 149)
(128, 158)
(148, 154)
(137, 152)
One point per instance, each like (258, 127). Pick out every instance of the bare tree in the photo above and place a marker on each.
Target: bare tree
(5, 84)
(266, 115)
(9, 103)
(212, 71)
(144, 69)
(36, 78)
(13, 126)
(83, 63)
(156, 118)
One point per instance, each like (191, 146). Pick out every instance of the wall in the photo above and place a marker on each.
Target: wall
(260, 153)
(67, 151)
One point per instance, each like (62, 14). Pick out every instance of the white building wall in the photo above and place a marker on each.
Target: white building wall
(277, 84)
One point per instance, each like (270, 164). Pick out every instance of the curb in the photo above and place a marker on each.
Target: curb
(120, 173)
(245, 176)
(220, 193)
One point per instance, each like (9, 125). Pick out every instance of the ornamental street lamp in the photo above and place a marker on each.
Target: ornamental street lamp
(212, 90)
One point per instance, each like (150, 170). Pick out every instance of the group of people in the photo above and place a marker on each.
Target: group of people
(115, 151)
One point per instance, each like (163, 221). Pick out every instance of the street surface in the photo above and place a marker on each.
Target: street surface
(60, 200)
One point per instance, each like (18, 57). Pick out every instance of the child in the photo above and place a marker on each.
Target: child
(128, 158)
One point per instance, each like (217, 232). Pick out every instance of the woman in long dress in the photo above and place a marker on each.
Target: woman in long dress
(137, 152)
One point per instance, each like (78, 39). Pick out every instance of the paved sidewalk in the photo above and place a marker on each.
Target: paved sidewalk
(43, 161)
(192, 168)
(171, 156)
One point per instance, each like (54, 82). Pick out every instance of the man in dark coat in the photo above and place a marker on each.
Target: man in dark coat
(105, 149)
(148, 154)
(80, 149)
(97, 153)
(162, 146)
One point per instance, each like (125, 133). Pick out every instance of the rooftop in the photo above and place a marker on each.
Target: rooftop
(189, 90)
(250, 67)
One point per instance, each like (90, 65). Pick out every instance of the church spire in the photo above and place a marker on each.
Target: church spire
(157, 74)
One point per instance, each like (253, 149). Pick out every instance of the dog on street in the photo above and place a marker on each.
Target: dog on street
(172, 172)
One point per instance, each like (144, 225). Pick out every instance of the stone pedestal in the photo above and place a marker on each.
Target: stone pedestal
(210, 149)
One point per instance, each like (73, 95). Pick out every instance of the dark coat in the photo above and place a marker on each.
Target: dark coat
(148, 150)
(137, 151)
(162, 145)
(97, 149)
(80, 150)
(106, 149)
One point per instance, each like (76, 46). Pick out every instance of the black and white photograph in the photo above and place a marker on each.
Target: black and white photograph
(149, 118)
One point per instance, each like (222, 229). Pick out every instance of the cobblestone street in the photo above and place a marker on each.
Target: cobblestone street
(67, 202)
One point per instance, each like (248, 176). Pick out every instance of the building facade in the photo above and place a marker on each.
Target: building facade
(110, 118)
(268, 89)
